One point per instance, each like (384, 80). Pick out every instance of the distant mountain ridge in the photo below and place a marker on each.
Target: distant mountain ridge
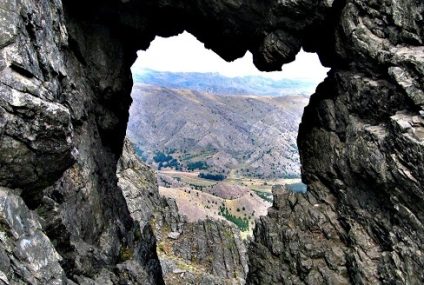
(222, 85)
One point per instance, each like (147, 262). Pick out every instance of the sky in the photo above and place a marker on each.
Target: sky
(184, 53)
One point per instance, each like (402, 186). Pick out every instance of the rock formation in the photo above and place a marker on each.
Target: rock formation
(62, 124)
(361, 143)
(64, 97)
(204, 252)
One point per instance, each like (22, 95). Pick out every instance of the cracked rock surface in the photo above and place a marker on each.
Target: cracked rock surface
(65, 87)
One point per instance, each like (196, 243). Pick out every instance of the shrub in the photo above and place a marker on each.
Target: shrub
(212, 176)
(161, 157)
(165, 160)
(197, 165)
(241, 223)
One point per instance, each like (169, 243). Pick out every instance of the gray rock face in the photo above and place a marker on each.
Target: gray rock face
(214, 245)
(138, 184)
(35, 128)
(64, 97)
(61, 133)
(205, 252)
(26, 253)
(361, 149)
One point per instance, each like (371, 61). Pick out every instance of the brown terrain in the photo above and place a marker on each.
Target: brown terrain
(253, 135)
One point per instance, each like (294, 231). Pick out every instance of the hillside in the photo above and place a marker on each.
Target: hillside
(237, 200)
(249, 135)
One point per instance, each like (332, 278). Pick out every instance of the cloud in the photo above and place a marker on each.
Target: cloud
(184, 53)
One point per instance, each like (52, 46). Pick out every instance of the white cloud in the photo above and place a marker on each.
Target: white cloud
(184, 53)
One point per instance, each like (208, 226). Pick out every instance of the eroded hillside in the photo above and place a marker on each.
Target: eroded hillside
(251, 135)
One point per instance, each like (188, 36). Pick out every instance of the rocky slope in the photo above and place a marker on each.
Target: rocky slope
(203, 252)
(217, 129)
(64, 98)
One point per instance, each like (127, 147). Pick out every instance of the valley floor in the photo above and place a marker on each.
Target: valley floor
(237, 199)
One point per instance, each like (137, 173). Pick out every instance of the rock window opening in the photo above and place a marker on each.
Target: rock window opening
(219, 137)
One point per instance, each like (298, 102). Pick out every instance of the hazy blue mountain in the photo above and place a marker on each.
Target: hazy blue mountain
(222, 85)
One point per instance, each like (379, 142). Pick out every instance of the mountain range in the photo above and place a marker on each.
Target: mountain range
(250, 135)
(219, 84)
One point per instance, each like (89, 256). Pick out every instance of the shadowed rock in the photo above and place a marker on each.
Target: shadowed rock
(64, 97)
